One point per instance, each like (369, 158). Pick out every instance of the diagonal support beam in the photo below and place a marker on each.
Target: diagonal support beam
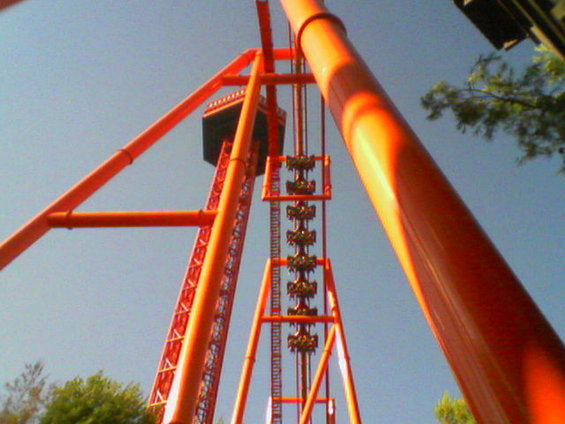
(181, 405)
(38, 226)
(344, 358)
(320, 372)
(7, 3)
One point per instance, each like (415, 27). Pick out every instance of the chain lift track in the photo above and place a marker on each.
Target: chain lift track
(173, 343)
(264, 20)
(215, 355)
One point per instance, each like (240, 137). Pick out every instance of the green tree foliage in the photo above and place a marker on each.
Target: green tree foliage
(26, 396)
(528, 105)
(97, 400)
(453, 411)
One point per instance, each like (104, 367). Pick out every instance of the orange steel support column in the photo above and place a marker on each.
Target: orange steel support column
(38, 226)
(250, 355)
(505, 355)
(181, 408)
(320, 373)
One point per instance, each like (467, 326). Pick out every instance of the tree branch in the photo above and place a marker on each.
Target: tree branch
(490, 94)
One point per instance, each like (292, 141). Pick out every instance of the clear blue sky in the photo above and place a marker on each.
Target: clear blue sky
(81, 78)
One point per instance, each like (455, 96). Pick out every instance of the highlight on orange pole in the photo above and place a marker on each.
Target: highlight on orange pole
(181, 405)
(131, 219)
(481, 315)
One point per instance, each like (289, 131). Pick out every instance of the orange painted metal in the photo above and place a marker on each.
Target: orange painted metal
(181, 405)
(183, 310)
(7, 3)
(270, 79)
(131, 219)
(320, 373)
(301, 401)
(210, 382)
(276, 79)
(349, 384)
(283, 54)
(38, 226)
(251, 353)
(298, 319)
(264, 17)
(297, 197)
(484, 320)
(336, 333)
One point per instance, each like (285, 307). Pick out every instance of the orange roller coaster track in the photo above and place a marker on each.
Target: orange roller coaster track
(508, 361)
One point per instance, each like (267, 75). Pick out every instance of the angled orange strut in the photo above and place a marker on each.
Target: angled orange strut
(181, 406)
(38, 226)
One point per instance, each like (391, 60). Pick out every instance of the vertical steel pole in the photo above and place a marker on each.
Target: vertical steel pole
(181, 405)
(250, 355)
(503, 352)
(310, 399)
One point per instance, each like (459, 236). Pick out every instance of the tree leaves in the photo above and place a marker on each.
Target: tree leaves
(453, 411)
(30, 399)
(529, 106)
(26, 396)
(97, 400)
